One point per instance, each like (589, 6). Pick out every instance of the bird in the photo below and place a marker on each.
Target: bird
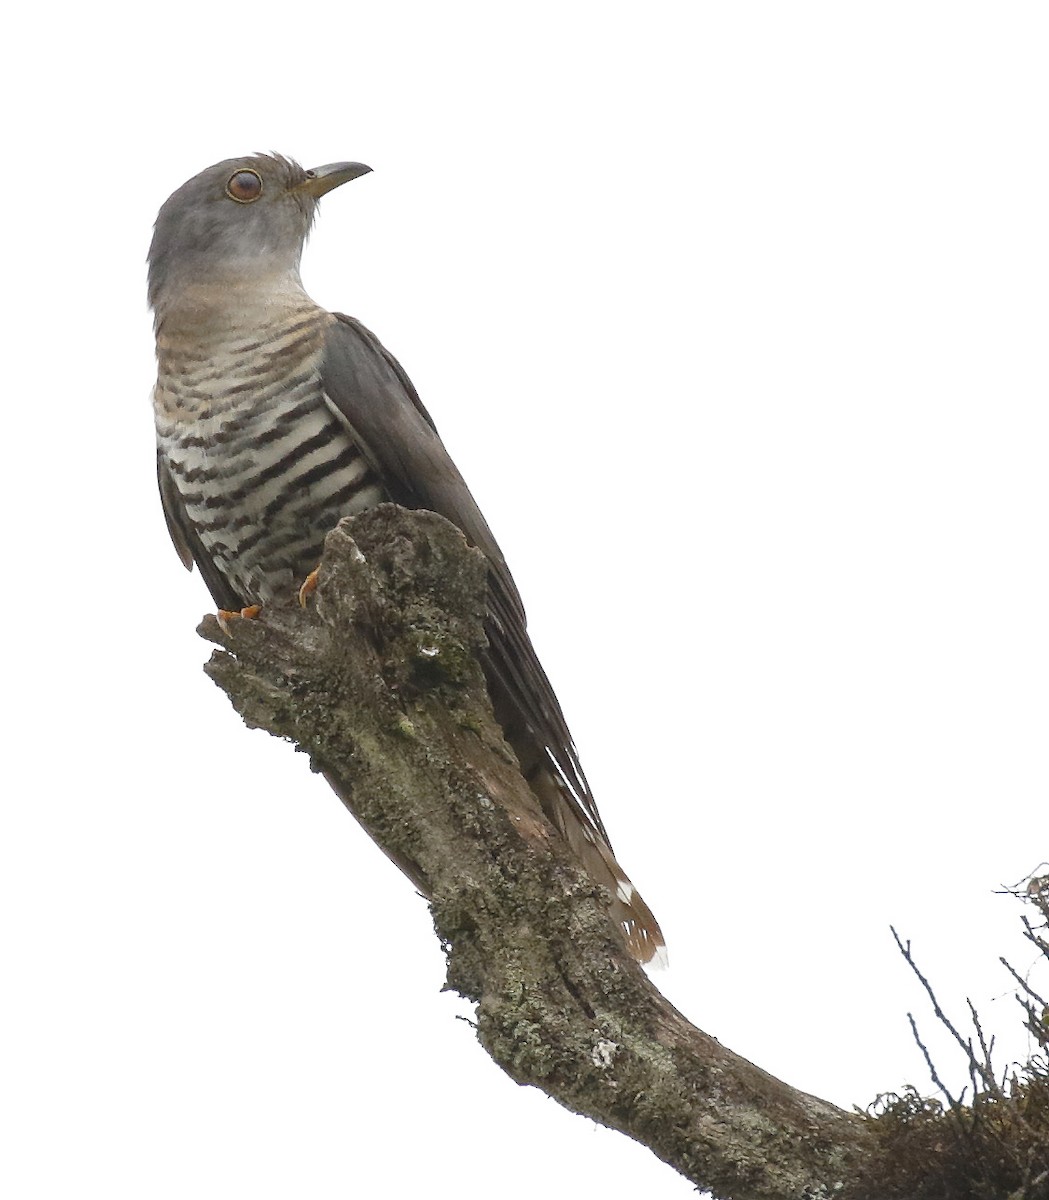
(275, 418)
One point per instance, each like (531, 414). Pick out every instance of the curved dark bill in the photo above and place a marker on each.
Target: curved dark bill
(321, 180)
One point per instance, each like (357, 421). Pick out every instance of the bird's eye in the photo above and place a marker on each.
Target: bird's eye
(244, 186)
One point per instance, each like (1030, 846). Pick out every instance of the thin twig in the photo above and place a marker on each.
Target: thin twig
(932, 1069)
(986, 1048)
(1022, 982)
(966, 1047)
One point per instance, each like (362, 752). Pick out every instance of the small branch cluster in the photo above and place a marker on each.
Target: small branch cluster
(1034, 892)
(995, 1143)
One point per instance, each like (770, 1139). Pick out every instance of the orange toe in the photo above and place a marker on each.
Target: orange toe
(225, 615)
(309, 586)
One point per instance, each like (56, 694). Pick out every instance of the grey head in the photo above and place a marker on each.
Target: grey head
(239, 219)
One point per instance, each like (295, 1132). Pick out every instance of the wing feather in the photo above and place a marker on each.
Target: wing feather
(372, 393)
(187, 542)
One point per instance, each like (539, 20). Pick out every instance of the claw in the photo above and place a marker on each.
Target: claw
(309, 586)
(225, 615)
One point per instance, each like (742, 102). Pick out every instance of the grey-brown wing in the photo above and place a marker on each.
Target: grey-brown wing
(376, 399)
(187, 542)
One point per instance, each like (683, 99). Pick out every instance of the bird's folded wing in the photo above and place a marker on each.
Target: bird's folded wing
(370, 391)
(187, 541)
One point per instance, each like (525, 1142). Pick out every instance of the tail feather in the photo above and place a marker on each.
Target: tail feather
(568, 803)
(641, 932)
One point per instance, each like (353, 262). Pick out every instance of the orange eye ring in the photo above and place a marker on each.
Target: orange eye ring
(244, 186)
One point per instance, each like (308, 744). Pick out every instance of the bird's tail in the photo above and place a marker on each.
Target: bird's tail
(640, 928)
(535, 729)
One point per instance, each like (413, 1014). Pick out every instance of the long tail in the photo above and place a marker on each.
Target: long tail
(535, 728)
(640, 928)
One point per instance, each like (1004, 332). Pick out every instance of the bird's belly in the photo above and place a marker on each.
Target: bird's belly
(263, 483)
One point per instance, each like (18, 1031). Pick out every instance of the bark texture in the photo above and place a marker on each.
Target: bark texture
(379, 681)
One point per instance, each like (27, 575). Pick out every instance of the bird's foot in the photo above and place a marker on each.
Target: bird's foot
(225, 615)
(309, 586)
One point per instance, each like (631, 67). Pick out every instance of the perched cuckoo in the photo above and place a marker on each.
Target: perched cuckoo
(275, 418)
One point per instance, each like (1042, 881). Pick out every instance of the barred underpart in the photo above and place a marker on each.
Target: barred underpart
(262, 463)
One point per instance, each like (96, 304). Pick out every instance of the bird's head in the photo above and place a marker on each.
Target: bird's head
(240, 219)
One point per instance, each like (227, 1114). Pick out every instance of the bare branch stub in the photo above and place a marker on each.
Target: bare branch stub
(379, 682)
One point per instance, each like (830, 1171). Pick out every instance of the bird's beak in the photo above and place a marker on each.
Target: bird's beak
(322, 179)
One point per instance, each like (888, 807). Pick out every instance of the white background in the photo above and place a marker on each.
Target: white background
(733, 315)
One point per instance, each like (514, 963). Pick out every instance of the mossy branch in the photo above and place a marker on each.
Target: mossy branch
(379, 681)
